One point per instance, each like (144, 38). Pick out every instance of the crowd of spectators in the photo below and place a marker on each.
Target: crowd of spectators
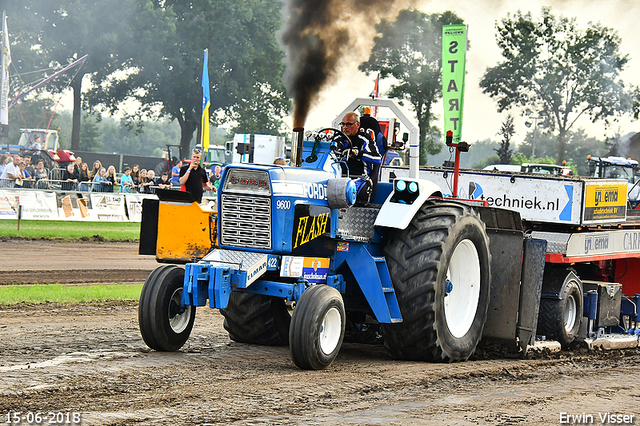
(18, 172)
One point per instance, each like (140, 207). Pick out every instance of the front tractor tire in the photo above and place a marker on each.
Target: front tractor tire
(165, 324)
(317, 328)
(440, 268)
(257, 319)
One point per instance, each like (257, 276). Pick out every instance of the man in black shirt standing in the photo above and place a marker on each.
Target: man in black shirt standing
(194, 178)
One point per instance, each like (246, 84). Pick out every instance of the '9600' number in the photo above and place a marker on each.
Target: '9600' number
(283, 204)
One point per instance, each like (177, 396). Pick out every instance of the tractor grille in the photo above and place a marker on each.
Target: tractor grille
(246, 221)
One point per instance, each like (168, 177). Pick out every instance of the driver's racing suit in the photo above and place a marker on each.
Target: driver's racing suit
(365, 158)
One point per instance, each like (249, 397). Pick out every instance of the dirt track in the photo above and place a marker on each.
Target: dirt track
(91, 359)
(38, 261)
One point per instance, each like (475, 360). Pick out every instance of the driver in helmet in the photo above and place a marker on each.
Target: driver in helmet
(363, 155)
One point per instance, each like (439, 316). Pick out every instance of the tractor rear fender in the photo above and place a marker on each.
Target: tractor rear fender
(403, 204)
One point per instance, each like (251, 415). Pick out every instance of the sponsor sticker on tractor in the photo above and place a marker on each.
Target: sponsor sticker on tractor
(312, 269)
(291, 266)
(342, 247)
(257, 270)
(315, 269)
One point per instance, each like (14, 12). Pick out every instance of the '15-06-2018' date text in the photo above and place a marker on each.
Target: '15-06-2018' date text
(43, 418)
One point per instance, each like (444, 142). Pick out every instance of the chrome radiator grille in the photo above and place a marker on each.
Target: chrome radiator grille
(246, 221)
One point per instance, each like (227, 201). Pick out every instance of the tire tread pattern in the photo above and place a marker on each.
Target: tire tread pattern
(257, 319)
(306, 324)
(414, 256)
(144, 321)
(154, 306)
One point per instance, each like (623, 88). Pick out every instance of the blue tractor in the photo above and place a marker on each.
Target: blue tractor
(294, 260)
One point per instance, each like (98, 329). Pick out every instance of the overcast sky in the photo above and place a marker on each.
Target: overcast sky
(481, 120)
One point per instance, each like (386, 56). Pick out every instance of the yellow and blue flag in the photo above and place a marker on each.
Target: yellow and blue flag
(206, 102)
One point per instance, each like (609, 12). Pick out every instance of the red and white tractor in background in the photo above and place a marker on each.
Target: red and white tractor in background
(49, 152)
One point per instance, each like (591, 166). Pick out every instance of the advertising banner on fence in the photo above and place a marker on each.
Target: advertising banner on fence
(71, 205)
(91, 206)
(134, 205)
(107, 206)
(76, 205)
(35, 205)
(8, 205)
(39, 205)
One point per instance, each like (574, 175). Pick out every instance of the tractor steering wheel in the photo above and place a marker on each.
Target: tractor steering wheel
(338, 140)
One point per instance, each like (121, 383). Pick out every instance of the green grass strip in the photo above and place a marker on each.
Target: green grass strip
(63, 294)
(70, 230)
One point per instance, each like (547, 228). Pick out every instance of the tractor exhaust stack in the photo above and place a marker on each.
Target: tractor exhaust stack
(297, 139)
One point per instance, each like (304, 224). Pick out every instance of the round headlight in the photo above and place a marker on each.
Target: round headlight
(401, 185)
(413, 187)
(351, 192)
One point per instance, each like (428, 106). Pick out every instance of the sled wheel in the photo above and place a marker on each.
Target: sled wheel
(165, 324)
(257, 319)
(317, 328)
(440, 268)
(560, 319)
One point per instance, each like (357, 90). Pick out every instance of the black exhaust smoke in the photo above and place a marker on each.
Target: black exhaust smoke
(318, 34)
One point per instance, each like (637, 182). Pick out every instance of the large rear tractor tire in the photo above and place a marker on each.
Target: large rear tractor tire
(440, 268)
(257, 319)
(317, 328)
(559, 318)
(164, 323)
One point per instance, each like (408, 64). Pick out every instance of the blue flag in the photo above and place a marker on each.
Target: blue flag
(206, 102)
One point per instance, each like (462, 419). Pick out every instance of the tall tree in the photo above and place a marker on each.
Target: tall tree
(560, 71)
(507, 130)
(245, 64)
(410, 51)
(90, 134)
(52, 33)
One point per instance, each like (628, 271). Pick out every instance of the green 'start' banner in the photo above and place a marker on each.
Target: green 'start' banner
(454, 48)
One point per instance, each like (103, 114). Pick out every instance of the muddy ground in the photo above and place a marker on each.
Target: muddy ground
(42, 261)
(90, 359)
